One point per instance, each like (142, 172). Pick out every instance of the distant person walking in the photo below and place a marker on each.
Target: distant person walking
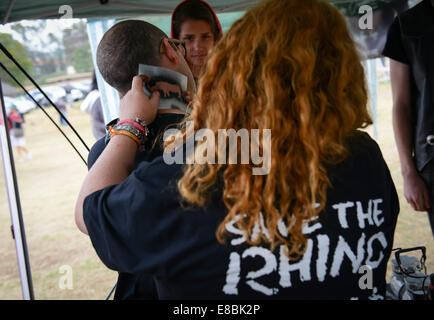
(17, 134)
(68, 97)
(61, 105)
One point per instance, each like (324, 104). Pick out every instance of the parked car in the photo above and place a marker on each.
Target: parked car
(36, 94)
(53, 92)
(24, 106)
(84, 87)
(77, 94)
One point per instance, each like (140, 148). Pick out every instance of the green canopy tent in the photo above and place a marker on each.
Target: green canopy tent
(368, 21)
(16, 10)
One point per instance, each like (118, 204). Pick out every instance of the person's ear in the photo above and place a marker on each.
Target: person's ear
(169, 52)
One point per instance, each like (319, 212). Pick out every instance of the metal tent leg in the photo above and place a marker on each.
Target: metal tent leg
(15, 204)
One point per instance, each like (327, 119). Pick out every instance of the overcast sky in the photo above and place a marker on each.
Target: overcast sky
(54, 26)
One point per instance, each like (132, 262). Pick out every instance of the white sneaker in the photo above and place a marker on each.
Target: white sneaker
(29, 156)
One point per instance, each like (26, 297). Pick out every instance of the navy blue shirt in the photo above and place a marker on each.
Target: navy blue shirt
(139, 286)
(139, 227)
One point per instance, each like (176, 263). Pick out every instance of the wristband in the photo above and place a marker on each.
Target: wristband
(138, 125)
(141, 122)
(132, 129)
(119, 131)
(131, 135)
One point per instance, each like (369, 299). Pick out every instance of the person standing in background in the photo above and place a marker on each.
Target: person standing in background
(61, 105)
(68, 95)
(97, 117)
(410, 47)
(16, 128)
(92, 105)
(195, 22)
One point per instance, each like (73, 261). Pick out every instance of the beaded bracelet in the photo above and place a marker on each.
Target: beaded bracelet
(132, 129)
(113, 132)
(139, 126)
(141, 122)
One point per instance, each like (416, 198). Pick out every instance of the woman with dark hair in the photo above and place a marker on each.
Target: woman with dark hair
(318, 223)
(195, 22)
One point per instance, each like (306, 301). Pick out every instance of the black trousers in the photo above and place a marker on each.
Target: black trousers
(428, 176)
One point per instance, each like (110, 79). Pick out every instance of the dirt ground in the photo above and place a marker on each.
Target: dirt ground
(49, 184)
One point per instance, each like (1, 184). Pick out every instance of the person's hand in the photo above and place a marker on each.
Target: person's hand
(135, 104)
(416, 192)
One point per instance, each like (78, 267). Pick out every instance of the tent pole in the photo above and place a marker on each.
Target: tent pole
(162, 10)
(109, 96)
(8, 11)
(15, 205)
(372, 70)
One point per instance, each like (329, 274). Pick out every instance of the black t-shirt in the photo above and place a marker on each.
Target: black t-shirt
(394, 48)
(410, 41)
(139, 286)
(139, 227)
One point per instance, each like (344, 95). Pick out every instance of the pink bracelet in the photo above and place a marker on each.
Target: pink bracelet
(135, 124)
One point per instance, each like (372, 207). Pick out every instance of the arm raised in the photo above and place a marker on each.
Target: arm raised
(117, 160)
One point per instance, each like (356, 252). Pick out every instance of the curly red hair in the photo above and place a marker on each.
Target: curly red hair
(292, 67)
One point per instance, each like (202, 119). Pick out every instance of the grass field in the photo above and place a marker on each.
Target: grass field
(49, 184)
